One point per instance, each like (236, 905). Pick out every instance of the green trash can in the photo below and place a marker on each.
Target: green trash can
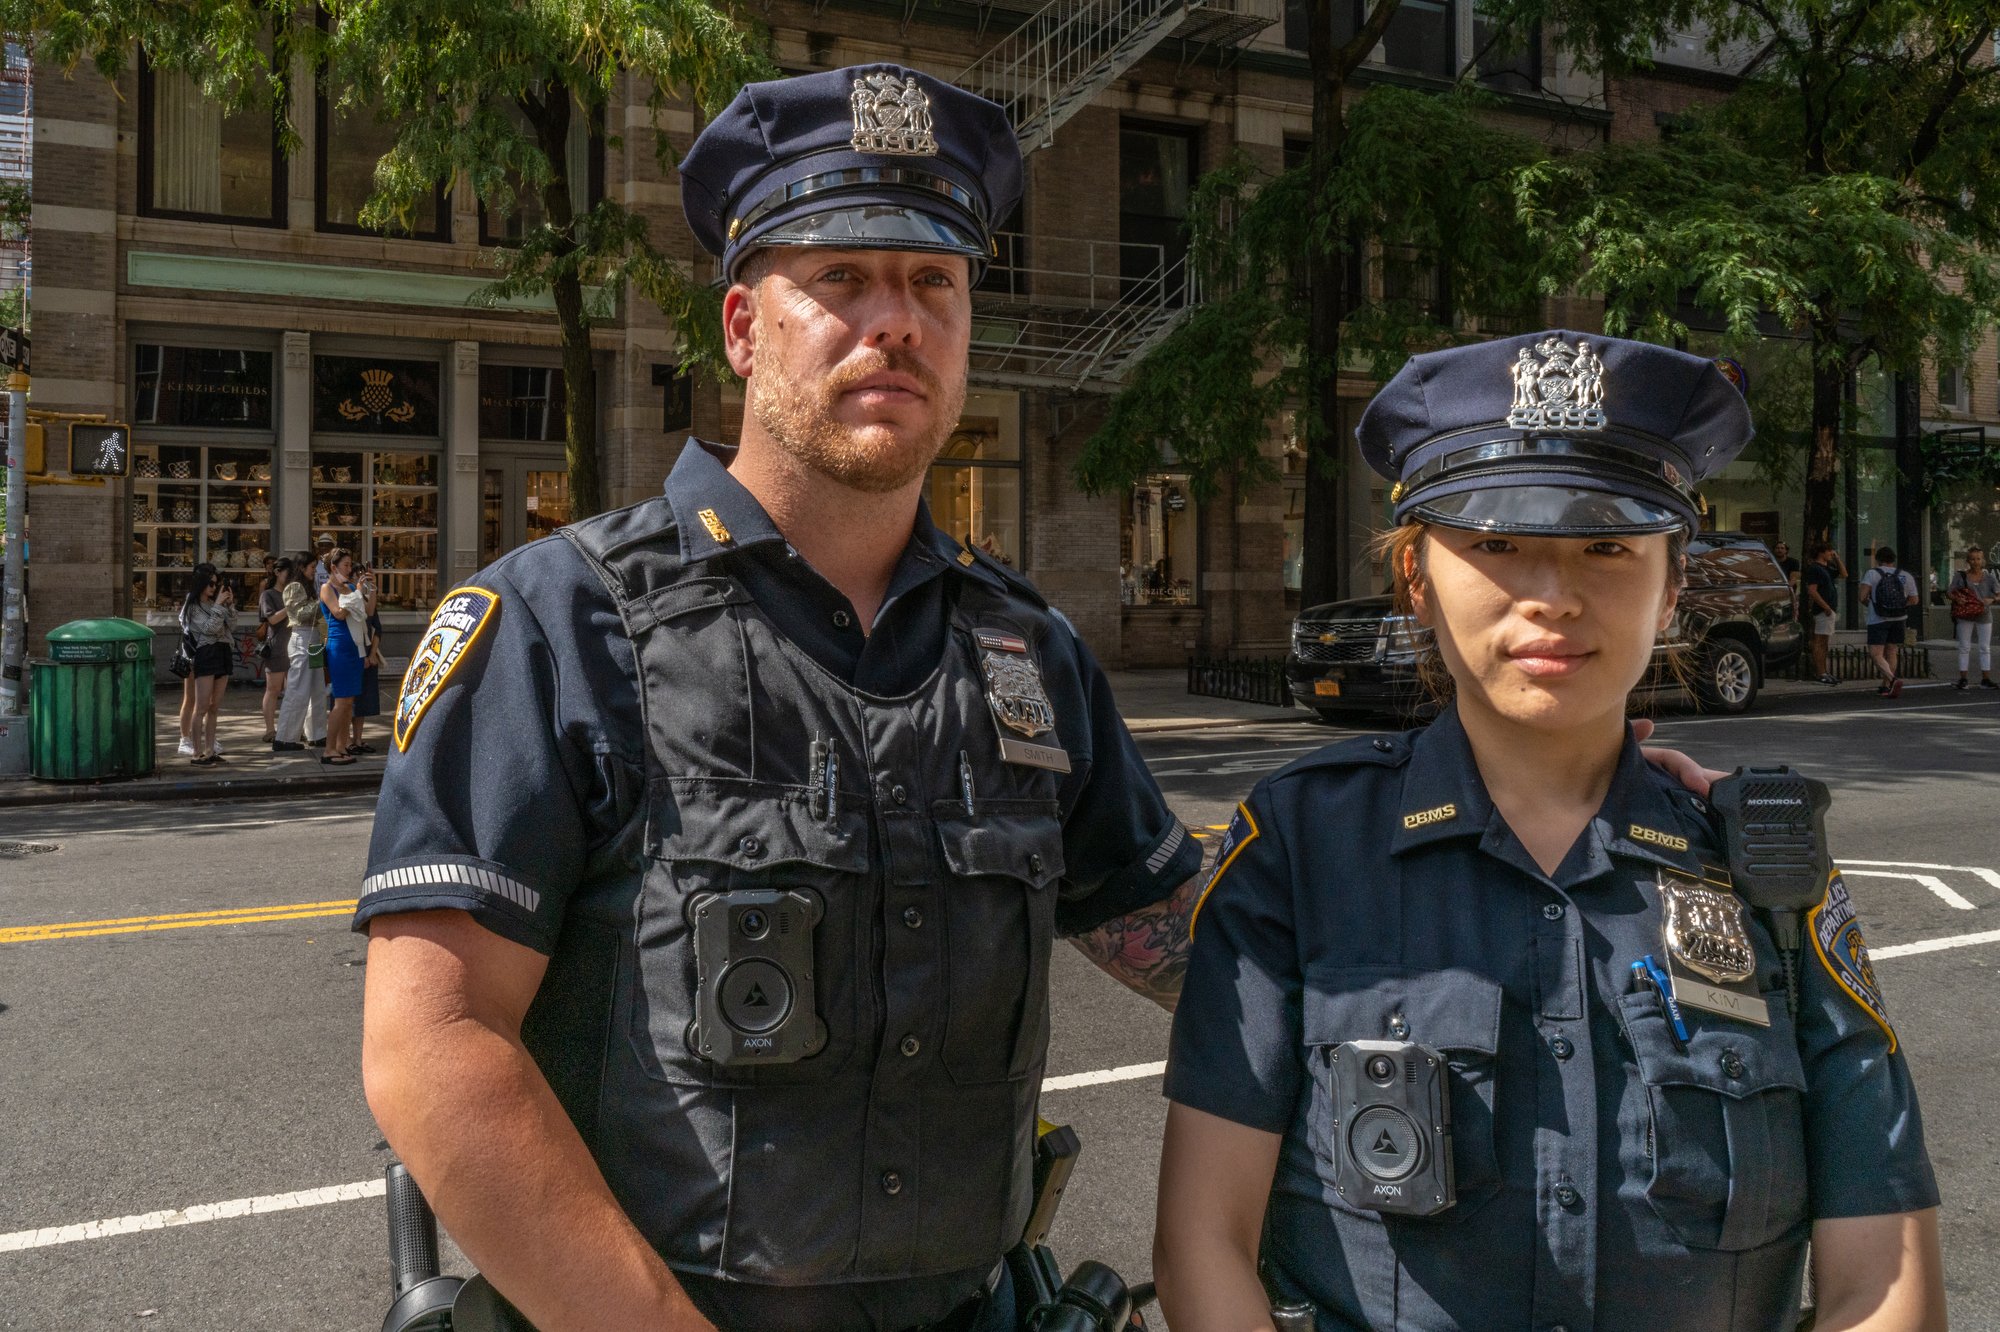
(90, 704)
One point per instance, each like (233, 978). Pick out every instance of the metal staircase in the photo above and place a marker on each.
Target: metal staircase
(1050, 67)
(1079, 314)
(1076, 314)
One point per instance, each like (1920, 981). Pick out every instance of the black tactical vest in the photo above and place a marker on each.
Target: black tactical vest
(903, 1147)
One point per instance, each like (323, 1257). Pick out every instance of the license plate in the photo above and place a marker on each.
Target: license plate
(1327, 688)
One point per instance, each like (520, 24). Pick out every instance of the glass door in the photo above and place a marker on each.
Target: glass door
(520, 500)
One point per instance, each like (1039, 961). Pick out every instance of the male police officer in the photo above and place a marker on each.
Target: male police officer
(713, 887)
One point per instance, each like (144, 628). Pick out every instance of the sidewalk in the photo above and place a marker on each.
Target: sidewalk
(1150, 701)
(249, 768)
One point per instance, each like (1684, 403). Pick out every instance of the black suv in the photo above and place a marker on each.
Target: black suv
(1736, 613)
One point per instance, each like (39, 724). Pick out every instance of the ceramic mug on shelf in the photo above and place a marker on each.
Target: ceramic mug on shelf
(260, 471)
(341, 474)
(146, 467)
(225, 471)
(180, 471)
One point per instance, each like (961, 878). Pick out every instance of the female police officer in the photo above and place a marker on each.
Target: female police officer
(1530, 1132)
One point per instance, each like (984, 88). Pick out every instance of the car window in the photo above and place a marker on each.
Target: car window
(1732, 564)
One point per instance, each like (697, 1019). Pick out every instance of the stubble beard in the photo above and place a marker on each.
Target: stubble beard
(875, 459)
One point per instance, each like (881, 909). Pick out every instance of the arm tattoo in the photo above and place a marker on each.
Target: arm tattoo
(1147, 951)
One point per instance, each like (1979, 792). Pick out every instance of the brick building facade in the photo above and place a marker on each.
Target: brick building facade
(287, 373)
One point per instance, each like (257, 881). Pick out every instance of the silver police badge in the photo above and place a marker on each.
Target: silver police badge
(1014, 693)
(1706, 932)
(892, 116)
(1564, 390)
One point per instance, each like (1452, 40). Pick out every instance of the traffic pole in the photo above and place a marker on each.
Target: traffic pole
(14, 623)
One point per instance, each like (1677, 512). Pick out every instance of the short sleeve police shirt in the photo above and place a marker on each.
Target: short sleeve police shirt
(519, 782)
(1607, 1177)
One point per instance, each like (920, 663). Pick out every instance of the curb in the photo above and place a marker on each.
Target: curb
(153, 789)
(1149, 725)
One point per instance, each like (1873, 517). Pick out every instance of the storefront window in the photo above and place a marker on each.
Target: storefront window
(203, 387)
(975, 489)
(383, 507)
(198, 160)
(195, 502)
(372, 395)
(521, 402)
(1157, 548)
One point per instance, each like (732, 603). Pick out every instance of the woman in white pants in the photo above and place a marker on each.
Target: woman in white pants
(1975, 583)
(305, 684)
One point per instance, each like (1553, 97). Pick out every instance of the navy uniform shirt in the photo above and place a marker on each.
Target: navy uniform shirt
(519, 796)
(1607, 1177)
(524, 773)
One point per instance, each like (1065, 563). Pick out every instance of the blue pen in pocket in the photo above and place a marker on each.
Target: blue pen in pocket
(1649, 970)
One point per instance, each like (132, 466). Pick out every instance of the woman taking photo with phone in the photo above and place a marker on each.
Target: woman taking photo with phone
(1438, 1062)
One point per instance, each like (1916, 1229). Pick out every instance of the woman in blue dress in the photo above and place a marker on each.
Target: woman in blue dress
(1637, 1111)
(346, 643)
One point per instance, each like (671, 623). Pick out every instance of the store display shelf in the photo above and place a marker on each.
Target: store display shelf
(190, 525)
(380, 530)
(339, 485)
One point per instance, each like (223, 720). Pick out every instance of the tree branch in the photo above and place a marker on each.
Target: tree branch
(1930, 134)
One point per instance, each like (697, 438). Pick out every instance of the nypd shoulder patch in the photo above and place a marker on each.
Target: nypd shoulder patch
(1836, 936)
(1242, 831)
(460, 618)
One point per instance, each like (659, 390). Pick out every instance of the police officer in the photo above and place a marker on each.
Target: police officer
(1612, 1148)
(715, 879)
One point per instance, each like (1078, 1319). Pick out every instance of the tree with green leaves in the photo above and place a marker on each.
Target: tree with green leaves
(480, 91)
(488, 91)
(1846, 188)
(1423, 180)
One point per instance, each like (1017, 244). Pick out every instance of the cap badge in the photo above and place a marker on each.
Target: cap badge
(1563, 390)
(892, 116)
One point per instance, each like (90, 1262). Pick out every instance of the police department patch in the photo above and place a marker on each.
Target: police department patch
(1836, 934)
(455, 625)
(1242, 831)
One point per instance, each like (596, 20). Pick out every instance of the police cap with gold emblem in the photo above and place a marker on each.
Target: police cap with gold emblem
(874, 157)
(1554, 434)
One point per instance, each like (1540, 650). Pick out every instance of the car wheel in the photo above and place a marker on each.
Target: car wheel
(1726, 679)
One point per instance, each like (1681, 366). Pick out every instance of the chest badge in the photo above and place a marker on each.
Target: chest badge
(1710, 957)
(1018, 702)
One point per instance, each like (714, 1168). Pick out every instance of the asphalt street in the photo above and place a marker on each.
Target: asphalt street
(184, 1143)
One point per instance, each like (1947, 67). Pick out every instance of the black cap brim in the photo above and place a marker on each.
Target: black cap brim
(1549, 510)
(873, 227)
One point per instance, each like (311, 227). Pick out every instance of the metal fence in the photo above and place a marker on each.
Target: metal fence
(1850, 661)
(1244, 679)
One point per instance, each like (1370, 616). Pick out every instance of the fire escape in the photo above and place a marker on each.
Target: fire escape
(1071, 313)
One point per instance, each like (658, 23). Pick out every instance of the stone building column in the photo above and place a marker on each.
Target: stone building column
(458, 543)
(295, 532)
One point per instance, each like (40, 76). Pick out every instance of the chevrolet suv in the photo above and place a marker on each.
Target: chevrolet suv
(1736, 619)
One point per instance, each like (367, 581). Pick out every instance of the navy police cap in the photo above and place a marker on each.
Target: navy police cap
(1555, 433)
(874, 157)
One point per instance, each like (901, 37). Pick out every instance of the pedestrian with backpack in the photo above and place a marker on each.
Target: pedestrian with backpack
(1888, 593)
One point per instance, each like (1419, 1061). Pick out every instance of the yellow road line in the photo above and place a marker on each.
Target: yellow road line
(185, 920)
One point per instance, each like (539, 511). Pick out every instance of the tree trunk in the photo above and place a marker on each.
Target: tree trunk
(1322, 570)
(1829, 383)
(550, 117)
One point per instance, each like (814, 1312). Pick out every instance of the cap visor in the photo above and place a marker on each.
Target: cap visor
(1549, 511)
(874, 227)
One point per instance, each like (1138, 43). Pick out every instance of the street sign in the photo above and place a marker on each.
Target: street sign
(14, 349)
(100, 450)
